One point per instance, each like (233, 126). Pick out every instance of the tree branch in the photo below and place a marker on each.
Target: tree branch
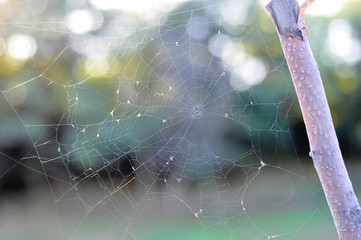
(324, 147)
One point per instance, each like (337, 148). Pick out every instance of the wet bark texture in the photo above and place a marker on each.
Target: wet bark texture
(324, 146)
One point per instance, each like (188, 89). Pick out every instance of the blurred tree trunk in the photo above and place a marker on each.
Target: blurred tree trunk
(324, 147)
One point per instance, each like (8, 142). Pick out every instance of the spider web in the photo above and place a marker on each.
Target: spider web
(149, 124)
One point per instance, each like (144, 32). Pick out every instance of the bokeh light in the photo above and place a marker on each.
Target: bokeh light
(90, 46)
(246, 70)
(217, 43)
(36, 6)
(234, 12)
(326, 8)
(21, 46)
(102, 4)
(5, 10)
(2, 45)
(250, 72)
(144, 8)
(18, 95)
(341, 43)
(96, 67)
(198, 28)
(80, 21)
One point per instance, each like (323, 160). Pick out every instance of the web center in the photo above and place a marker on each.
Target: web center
(197, 111)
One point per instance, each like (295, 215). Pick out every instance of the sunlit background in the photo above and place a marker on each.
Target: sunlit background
(128, 119)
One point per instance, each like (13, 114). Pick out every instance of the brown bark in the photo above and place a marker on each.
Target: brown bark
(324, 147)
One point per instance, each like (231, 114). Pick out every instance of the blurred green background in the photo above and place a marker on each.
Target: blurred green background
(166, 120)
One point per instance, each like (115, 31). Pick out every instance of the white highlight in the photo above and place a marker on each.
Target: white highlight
(97, 68)
(80, 21)
(327, 8)
(217, 43)
(102, 4)
(21, 47)
(234, 12)
(341, 43)
(246, 70)
(250, 72)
